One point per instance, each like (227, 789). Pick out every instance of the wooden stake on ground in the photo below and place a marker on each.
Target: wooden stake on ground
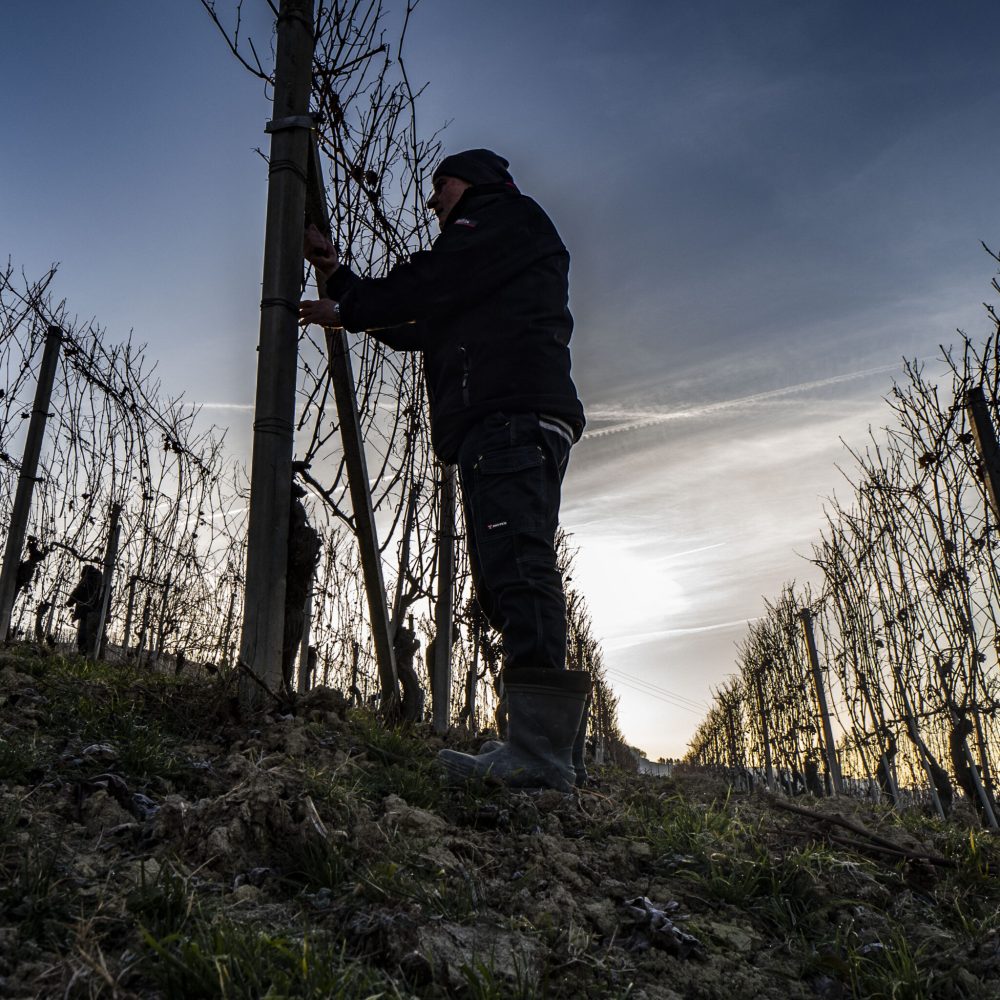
(875, 841)
(441, 688)
(277, 368)
(28, 477)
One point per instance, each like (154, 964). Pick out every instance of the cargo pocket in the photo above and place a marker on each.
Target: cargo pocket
(510, 491)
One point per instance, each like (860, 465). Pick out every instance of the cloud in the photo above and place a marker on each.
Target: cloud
(686, 523)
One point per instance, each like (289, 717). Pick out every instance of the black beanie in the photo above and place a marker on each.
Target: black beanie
(477, 166)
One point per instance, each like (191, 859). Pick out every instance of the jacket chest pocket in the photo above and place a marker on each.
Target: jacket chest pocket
(510, 491)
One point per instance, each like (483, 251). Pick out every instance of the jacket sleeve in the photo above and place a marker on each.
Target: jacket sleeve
(400, 337)
(339, 282)
(403, 337)
(466, 263)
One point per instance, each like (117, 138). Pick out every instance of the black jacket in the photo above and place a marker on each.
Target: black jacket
(487, 304)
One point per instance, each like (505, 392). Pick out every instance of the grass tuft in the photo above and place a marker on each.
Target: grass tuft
(228, 960)
(32, 896)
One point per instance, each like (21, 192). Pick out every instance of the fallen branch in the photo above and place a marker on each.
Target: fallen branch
(861, 846)
(875, 841)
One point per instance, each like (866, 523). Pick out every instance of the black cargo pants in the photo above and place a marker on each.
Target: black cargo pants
(511, 467)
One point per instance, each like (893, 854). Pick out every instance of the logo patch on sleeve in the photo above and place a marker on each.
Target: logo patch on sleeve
(469, 223)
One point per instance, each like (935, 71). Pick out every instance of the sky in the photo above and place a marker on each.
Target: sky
(767, 206)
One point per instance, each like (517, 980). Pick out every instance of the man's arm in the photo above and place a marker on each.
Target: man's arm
(333, 279)
(404, 337)
(325, 259)
(465, 264)
(322, 254)
(326, 312)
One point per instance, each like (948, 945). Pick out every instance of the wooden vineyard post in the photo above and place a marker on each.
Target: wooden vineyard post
(398, 606)
(888, 770)
(472, 678)
(989, 816)
(277, 368)
(161, 627)
(107, 576)
(304, 680)
(28, 477)
(832, 764)
(50, 620)
(589, 721)
(599, 727)
(342, 377)
(129, 612)
(984, 434)
(441, 688)
(356, 696)
(227, 631)
(144, 631)
(731, 735)
(981, 792)
(765, 730)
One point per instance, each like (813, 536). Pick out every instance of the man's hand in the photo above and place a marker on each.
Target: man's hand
(321, 253)
(324, 313)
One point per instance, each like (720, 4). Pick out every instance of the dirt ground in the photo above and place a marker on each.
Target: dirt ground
(152, 844)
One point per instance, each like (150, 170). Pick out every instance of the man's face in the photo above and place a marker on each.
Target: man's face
(447, 191)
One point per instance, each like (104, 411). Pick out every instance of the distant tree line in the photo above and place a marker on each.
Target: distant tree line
(906, 619)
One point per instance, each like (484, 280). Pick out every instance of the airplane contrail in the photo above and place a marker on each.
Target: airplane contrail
(649, 419)
(222, 514)
(643, 638)
(219, 406)
(691, 552)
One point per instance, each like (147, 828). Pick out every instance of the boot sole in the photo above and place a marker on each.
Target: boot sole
(460, 768)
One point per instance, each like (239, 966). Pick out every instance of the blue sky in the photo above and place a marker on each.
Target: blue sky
(767, 205)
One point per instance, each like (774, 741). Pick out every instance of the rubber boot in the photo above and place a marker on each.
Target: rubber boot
(545, 707)
(579, 763)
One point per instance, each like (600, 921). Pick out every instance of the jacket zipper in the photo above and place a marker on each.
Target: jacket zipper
(465, 375)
